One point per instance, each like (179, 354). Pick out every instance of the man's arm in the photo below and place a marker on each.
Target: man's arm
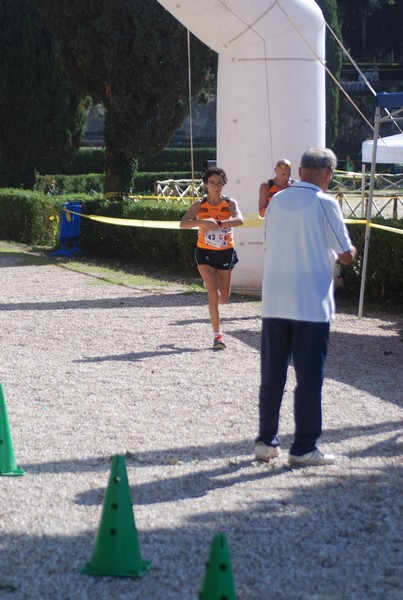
(263, 198)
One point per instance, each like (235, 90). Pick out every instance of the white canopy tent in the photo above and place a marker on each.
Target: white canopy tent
(389, 150)
(392, 105)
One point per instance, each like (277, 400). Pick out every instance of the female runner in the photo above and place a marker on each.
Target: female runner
(215, 215)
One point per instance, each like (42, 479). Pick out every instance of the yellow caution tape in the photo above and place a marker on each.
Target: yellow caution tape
(394, 229)
(250, 220)
(355, 221)
(134, 222)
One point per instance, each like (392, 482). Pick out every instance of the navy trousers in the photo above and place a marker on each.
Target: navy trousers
(306, 344)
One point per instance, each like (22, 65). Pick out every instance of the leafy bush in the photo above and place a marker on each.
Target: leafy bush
(87, 160)
(176, 159)
(70, 184)
(33, 218)
(143, 183)
(30, 217)
(92, 160)
(143, 245)
(384, 277)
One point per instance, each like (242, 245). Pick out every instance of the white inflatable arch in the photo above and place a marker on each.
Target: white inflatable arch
(270, 96)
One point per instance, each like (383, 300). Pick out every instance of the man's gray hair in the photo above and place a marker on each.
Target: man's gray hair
(318, 159)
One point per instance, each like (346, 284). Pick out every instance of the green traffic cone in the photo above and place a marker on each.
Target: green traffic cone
(117, 551)
(8, 466)
(218, 583)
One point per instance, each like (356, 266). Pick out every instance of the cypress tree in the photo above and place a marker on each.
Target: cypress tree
(41, 118)
(132, 56)
(334, 56)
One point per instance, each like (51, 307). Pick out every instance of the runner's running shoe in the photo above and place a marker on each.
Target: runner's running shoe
(218, 343)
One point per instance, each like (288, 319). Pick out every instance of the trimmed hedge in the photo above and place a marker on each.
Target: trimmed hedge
(143, 183)
(92, 160)
(176, 159)
(93, 183)
(142, 245)
(33, 218)
(87, 160)
(30, 217)
(384, 278)
(56, 185)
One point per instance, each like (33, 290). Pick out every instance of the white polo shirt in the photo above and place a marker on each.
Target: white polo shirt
(304, 231)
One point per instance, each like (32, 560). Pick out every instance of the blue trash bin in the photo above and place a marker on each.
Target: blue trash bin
(70, 223)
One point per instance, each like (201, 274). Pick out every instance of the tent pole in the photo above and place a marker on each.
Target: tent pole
(363, 182)
(369, 211)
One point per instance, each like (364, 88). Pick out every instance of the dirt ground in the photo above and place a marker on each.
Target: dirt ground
(91, 370)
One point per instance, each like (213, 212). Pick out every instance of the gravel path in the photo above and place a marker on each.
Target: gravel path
(91, 370)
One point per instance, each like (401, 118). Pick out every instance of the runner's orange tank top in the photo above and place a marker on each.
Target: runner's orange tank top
(215, 240)
(272, 189)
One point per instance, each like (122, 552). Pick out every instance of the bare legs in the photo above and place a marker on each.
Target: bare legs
(218, 286)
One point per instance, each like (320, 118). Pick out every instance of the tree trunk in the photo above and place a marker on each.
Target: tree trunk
(118, 172)
(118, 163)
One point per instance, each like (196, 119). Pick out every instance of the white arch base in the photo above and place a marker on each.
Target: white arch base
(270, 96)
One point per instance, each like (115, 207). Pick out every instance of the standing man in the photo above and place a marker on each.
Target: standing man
(281, 180)
(304, 234)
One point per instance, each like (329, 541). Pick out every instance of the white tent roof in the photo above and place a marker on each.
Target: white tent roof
(389, 150)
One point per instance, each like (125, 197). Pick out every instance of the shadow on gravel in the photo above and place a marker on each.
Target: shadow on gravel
(145, 300)
(238, 454)
(369, 363)
(222, 319)
(348, 524)
(138, 356)
(192, 485)
(24, 259)
(201, 481)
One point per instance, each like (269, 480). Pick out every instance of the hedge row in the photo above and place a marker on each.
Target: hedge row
(177, 159)
(140, 245)
(144, 182)
(93, 183)
(56, 185)
(32, 218)
(92, 160)
(384, 278)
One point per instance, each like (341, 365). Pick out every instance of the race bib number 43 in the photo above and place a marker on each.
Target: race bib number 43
(218, 239)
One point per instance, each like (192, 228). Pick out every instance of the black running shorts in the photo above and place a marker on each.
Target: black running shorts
(224, 260)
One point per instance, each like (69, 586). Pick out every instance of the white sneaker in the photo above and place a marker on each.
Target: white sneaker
(312, 458)
(265, 452)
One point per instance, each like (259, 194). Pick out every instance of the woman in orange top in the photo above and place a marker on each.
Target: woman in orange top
(215, 215)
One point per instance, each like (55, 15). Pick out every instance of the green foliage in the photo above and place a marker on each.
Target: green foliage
(176, 159)
(57, 185)
(92, 160)
(132, 56)
(40, 117)
(143, 183)
(87, 160)
(33, 218)
(28, 217)
(384, 280)
(334, 57)
(170, 163)
(372, 29)
(142, 245)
